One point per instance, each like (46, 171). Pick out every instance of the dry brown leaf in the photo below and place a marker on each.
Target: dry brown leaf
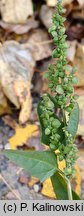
(15, 11)
(16, 70)
(52, 3)
(79, 62)
(81, 120)
(78, 14)
(39, 41)
(4, 108)
(22, 134)
(81, 2)
(24, 96)
(75, 31)
(20, 28)
(71, 50)
(46, 14)
(8, 120)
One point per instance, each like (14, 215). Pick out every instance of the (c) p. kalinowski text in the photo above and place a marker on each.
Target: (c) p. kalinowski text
(48, 207)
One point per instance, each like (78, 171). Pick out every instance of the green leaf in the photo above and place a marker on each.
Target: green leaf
(75, 196)
(73, 120)
(40, 164)
(60, 187)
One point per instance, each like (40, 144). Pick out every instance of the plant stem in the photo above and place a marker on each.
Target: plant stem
(64, 118)
(69, 190)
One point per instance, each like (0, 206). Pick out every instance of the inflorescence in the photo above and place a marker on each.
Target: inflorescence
(61, 85)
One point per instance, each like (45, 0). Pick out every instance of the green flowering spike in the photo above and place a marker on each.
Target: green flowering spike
(58, 132)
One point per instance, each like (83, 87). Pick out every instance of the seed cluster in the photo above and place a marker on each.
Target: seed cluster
(59, 81)
(61, 84)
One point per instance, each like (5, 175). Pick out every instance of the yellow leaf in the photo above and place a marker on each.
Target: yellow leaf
(47, 189)
(4, 107)
(32, 181)
(22, 90)
(22, 134)
(78, 180)
(81, 120)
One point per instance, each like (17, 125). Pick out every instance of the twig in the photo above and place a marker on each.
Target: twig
(10, 188)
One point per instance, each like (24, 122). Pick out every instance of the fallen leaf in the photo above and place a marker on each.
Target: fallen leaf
(24, 96)
(75, 31)
(79, 62)
(16, 70)
(47, 189)
(16, 11)
(23, 179)
(54, 2)
(78, 14)
(80, 162)
(81, 116)
(4, 107)
(40, 43)
(46, 14)
(32, 181)
(81, 2)
(35, 144)
(71, 50)
(31, 23)
(8, 120)
(76, 181)
(22, 134)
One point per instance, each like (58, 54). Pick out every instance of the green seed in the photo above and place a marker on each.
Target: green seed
(70, 89)
(53, 147)
(66, 80)
(61, 157)
(47, 131)
(68, 109)
(61, 74)
(68, 171)
(59, 89)
(56, 123)
(75, 97)
(74, 80)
